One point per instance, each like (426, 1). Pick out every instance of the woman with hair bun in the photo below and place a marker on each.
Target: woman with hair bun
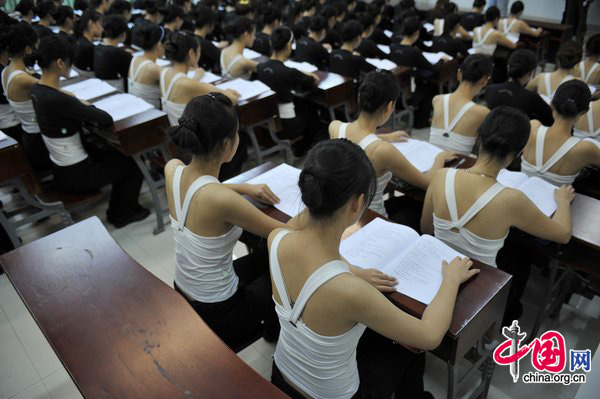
(515, 25)
(377, 100)
(45, 10)
(324, 304)
(26, 8)
(144, 74)
(87, 29)
(486, 38)
(65, 19)
(208, 218)
(588, 70)
(552, 153)
(568, 56)
(111, 62)
(343, 60)
(233, 64)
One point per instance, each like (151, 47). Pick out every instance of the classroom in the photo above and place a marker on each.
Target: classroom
(299, 199)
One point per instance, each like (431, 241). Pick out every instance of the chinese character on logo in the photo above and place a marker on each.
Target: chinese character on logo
(580, 360)
(545, 357)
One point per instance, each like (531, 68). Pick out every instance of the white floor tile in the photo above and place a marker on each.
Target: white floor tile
(264, 348)
(36, 391)
(60, 386)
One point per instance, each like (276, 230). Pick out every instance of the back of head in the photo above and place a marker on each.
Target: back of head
(504, 132)
(450, 8)
(572, 98)
(147, 35)
(351, 30)
(171, 13)
(318, 23)
(309, 4)
(45, 8)
(367, 21)
(238, 26)
(476, 67)
(62, 14)
(478, 3)
(340, 9)
(271, 15)
(281, 37)
(517, 7)
(411, 25)
(335, 171)
(592, 46)
(492, 14)
(450, 22)
(377, 90)
(521, 63)
(114, 26)
(16, 38)
(204, 16)
(569, 54)
(84, 20)
(152, 6)
(52, 48)
(119, 7)
(406, 4)
(205, 123)
(178, 46)
(328, 12)
(80, 5)
(25, 7)
(243, 8)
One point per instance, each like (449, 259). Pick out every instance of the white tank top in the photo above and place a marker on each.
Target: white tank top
(549, 94)
(506, 27)
(588, 75)
(148, 93)
(203, 265)
(22, 109)
(382, 181)
(591, 132)
(324, 367)
(447, 139)
(541, 169)
(7, 117)
(226, 69)
(479, 42)
(173, 110)
(471, 245)
(65, 151)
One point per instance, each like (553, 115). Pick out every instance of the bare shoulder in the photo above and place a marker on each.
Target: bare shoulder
(535, 124)
(436, 99)
(480, 110)
(334, 127)
(171, 166)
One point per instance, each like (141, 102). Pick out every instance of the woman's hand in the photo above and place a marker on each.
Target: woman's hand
(564, 194)
(446, 156)
(261, 193)
(399, 136)
(232, 94)
(199, 74)
(459, 269)
(377, 279)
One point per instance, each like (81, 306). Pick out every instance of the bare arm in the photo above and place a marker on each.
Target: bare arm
(427, 214)
(525, 29)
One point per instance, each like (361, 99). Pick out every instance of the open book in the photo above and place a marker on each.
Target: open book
(121, 106)
(283, 181)
(384, 48)
(399, 251)
(434, 58)
(250, 54)
(246, 88)
(331, 80)
(419, 153)
(301, 66)
(3, 136)
(539, 191)
(382, 64)
(208, 76)
(90, 88)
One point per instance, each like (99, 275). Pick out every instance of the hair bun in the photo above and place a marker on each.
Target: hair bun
(184, 135)
(311, 184)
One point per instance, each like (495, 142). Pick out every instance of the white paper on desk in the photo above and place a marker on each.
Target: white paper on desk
(130, 25)
(434, 58)
(138, 53)
(78, 12)
(539, 191)
(123, 105)
(161, 62)
(283, 181)
(420, 154)
(513, 37)
(136, 11)
(3, 136)
(428, 27)
(382, 64)
(210, 77)
(246, 88)
(90, 88)
(294, 46)
(250, 54)
(331, 80)
(471, 50)
(301, 66)
(384, 48)
(388, 33)
(428, 43)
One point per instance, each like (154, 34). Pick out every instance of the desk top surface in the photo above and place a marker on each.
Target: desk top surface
(120, 331)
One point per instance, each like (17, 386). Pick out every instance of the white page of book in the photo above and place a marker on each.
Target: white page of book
(250, 54)
(331, 80)
(513, 37)
(541, 193)
(382, 64)
(90, 88)
(161, 62)
(301, 66)
(3, 136)
(511, 179)
(428, 27)
(471, 50)
(246, 88)
(384, 48)
(388, 33)
(210, 77)
(283, 181)
(375, 244)
(434, 58)
(123, 105)
(419, 153)
(428, 43)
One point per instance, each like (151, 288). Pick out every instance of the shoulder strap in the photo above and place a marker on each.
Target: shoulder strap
(566, 147)
(367, 141)
(177, 191)
(342, 130)
(510, 25)
(173, 81)
(565, 79)
(196, 185)
(163, 74)
(478, 34)
(459, 115)
(590, 119)
(487, 34)
(141, 66)
(582, 69)
(591, 71)
(446, 103)
(481, 202)
(450, 195)
(233, 62)
(276, 271)
(548, 84)
(11, 77)
(539, 145)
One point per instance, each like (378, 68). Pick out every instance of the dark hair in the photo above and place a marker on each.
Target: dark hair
(82, 23)
(25, 7)
(52, 48)
(334, 172)
(152, 6)
(517, 7)
(16, 38)
(62, 13)
(569, 54)
(281, 37)
(521, 63)
(80, 5)
(238, 26)
(206, 121)
(340, 9)
(439, 9)
(204, 16)
(572, 98)
(475, 67)
(243, 9)
(406, 4)
(592, 46)
(178, 45)
(367, 21)
(118, 7)
(45, 8)
(308, 4)
(450, 8)
(328, 12)
(114, 26)
(96, 3)
(147, 35)
(478, 3)
(492, 14)
(411, 25)
(318, 23)
(351, 30)
(271, 15)
(503, 132)
(377, 90)
(450, 22)
(171, 13)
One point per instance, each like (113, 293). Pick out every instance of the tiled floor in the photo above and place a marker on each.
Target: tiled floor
(29, 369)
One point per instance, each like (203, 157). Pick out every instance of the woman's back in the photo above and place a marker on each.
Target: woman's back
(174, 93)
(233, 64)
(588, 71)
(144, 81)
(589, 124)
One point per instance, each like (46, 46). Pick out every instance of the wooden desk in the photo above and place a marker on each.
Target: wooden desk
(333, 97)
(557, 33)
(119, 331)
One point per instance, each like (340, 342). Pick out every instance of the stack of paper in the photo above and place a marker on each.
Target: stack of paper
(539, 191)
(384, 48)
(428, 27)
(210, 77)
(90, 88)
(283, 181)
(301, 66)
(419, 153)
(331, 80)
(3, 136)
(121, 106)
(434, 58)
(251, 54)
(382, 64)
(246, 88)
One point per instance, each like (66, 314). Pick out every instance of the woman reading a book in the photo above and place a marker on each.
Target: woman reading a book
(233, 63)
(376, 100)
(325, 305)
(144, 73)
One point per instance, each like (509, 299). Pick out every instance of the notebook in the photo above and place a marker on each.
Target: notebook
(246, 88)
(331, 80)
(399, 251)
(419, 153)
(382, 64)
(3, 136)
(283, 181)
(123, 105)
(539, 191)
(251, 54)
(434, 58)
(89, 89)
(301, 66)
(384, 48)
(208, 77)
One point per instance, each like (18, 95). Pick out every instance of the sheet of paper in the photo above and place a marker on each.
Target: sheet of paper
(210, 77)
(376, 243)
(388, 33)
(251, 54)
(123, 105)
(428, 43)
(161, 62)
(246, 88)
(428, 27)
(283, 181)
(331, 80)
(89, 89)
(384, 48)
(419, 268)
(419, 153)
(3, 136)
(541, 193)
(471, 50)
(382, 64)
(511, 179)
(513, 37)
(434, 58)
(301, 66)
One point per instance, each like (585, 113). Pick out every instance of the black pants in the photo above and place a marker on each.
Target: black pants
(306, 125)
(14, 132)
(234, 167)
(384, 368)
(105, 167)
(240, 317)
(36, 152)
(405, 210)
(425, 90)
